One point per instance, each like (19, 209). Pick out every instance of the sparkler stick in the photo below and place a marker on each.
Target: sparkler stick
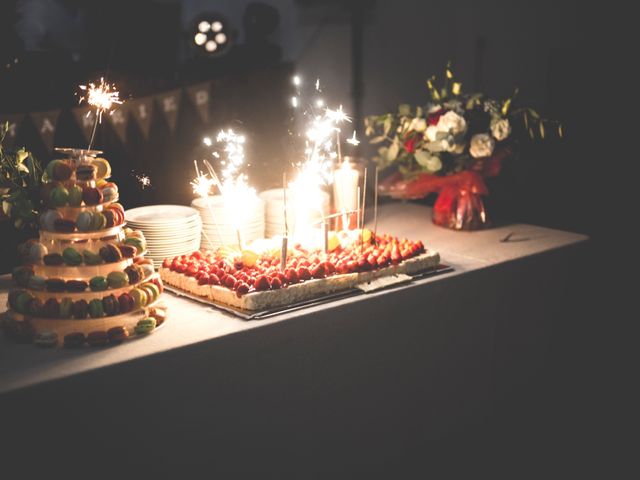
(285, 238)
(358, 208)
(375, 208)
(364, 202)
(201, 186)
(102, 97)
(325, 234)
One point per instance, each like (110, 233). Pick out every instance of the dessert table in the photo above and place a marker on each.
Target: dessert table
(385, 370)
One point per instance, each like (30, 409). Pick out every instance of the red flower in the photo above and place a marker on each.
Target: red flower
(411, 141)
(434, 117)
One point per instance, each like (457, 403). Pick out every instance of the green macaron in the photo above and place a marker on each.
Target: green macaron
(146, 325)
(71, 256)
(96, 310)
(91, 258)
(98, 283)
(75, 195)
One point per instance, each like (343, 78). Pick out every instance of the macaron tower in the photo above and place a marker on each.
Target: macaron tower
(86, 280)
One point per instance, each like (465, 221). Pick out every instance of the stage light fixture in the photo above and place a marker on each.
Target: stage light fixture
(211, 34)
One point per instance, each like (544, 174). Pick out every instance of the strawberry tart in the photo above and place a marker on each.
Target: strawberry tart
(253, 280)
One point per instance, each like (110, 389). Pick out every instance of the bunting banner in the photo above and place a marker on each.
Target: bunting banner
(86, 117)
(140, 109)
(119, 120)
(169, 104)
(199, 96)
(45, 123)
(12, 121)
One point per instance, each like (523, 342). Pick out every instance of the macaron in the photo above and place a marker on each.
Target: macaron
(76, 285)
(46, 339)
(117, 334)
(98, 283)
(22, 302)
(135, 274)
(159, 313)
(117, 279)
(36, 251)
(37, 282)
(59, 196)
(139, 297)
(74, 340)
(66, 304)
(127, 303)
(118, 211)
(91, 258)
(97, 339)
(91, 196)
(98, 222)
(51, 167)
(21, 275)
(128, 251)
(34, 307)
(86, 172)
(96, 310)
(144, 326)
(147, 269)
(53, 259)
(64, 225)
(84, 221)
(51, 308)
(109, 218)
(158, 283)
(62, 170)
(110, 305)
(152, 290)
(109, 194)
(71, 256)
(80, 309)
(48, 219)
(75, 195)
(55, 285)
(135, 242)
(110, 253)
(103, 169)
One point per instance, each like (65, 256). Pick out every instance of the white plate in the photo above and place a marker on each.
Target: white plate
(160, 214)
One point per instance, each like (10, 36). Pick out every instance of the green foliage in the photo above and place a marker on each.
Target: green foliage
(20, 182)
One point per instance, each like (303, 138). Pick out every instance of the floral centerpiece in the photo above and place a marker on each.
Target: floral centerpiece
(449, 146)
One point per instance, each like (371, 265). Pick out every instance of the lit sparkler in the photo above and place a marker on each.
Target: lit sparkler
(102, 97)
(143, 179)
(353, 140)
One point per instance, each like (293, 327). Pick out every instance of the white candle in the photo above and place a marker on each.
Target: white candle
(345, 186)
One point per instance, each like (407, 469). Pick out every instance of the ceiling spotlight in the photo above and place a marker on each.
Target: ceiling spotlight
(211, 34)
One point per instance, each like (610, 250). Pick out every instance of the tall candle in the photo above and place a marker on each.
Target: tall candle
(345, 185)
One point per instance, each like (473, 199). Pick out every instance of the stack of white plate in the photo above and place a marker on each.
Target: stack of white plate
(221, 222)
(170, 230)
(274, 211)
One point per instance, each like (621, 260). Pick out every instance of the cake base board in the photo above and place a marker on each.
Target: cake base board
(320, 300)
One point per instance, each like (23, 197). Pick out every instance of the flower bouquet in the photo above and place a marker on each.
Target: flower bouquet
(450, 146)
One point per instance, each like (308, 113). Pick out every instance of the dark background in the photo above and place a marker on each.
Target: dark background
(572, 61)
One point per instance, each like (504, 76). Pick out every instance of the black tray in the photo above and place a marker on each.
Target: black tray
(324, 299)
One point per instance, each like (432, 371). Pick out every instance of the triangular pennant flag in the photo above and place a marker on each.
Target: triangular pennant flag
(169, 104)
(200, 98)
(119, 118)
(45, 123)
(142, 109)
(13, 122)
(86, 117)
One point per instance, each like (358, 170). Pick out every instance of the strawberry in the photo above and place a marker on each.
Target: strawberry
(191, 271)
(261, 283)
(213, 279)
(242, 289)
(203, 280)
(276, 283)
(303, 273)
(230, 281)
(166, 263)
(319, 271)
(291, 275)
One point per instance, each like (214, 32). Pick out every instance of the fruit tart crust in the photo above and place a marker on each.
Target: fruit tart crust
(307, 290)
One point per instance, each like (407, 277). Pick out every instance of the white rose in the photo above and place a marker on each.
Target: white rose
(418, 124)
(501, 129)
(431, 162)
(481, 145)
(452, 122)
(457, 148)
(431, 132)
